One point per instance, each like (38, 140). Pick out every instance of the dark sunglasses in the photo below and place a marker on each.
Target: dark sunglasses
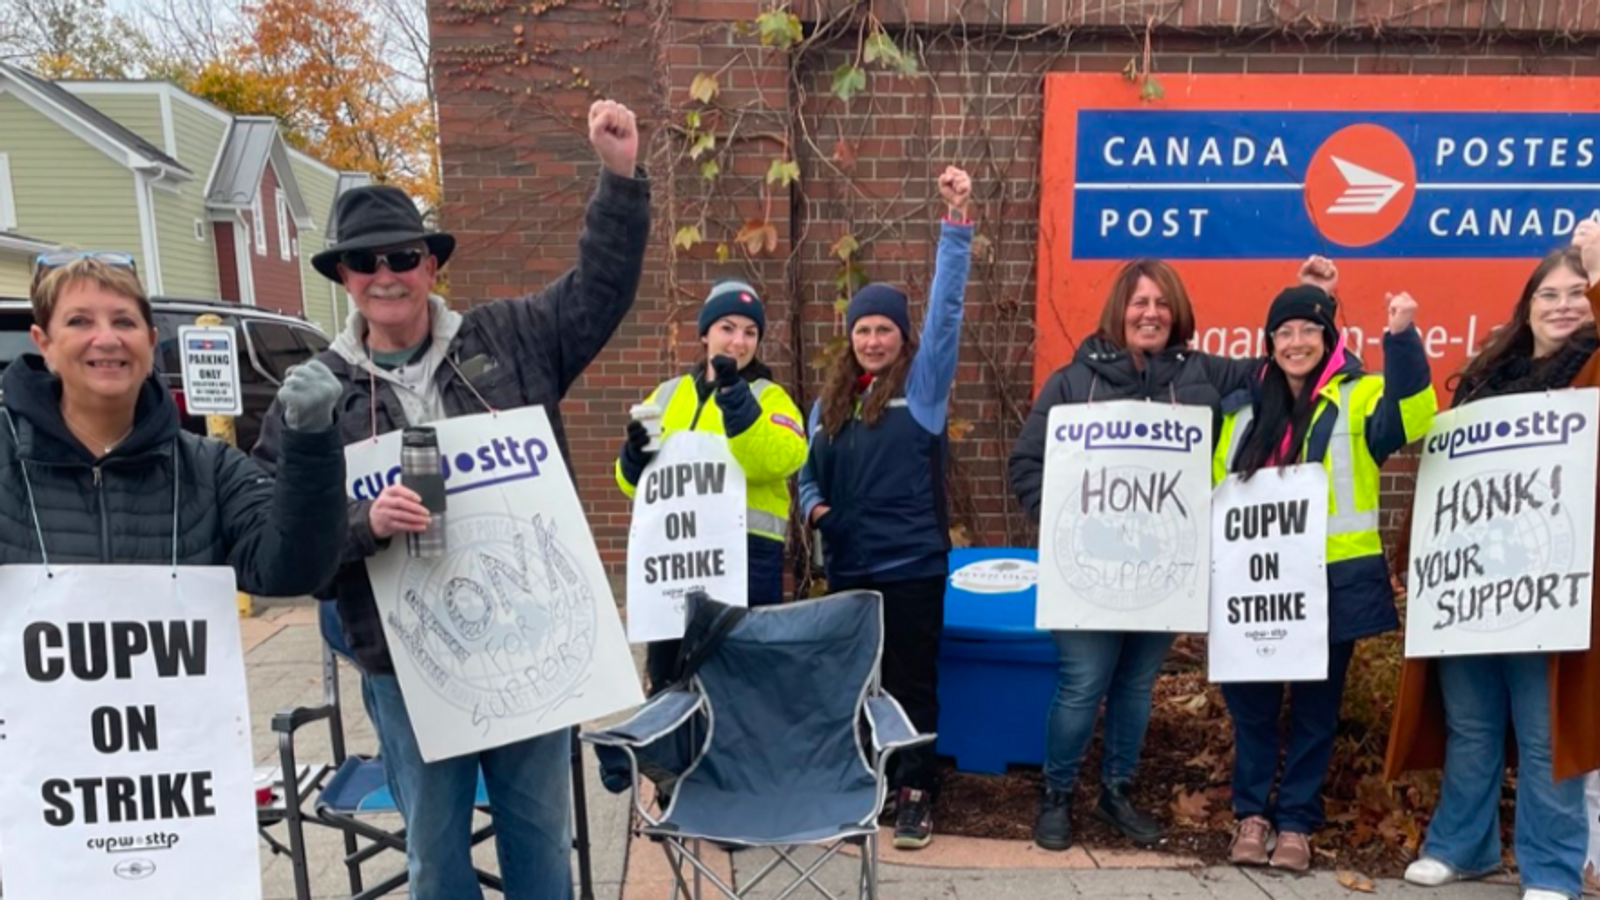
(365, 262)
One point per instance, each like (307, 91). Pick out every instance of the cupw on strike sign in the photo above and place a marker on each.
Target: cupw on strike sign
(1447, 187)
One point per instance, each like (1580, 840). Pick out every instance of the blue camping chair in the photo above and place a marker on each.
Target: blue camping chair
(777, 759)
(354, 788)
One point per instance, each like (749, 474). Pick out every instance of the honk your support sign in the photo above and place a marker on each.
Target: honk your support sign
(1502, 531)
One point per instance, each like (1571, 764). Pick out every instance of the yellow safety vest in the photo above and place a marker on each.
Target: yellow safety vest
(769, 451)
(1353, 482)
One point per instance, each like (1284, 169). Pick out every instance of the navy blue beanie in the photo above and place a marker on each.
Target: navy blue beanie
(878, 299)
(732, 298)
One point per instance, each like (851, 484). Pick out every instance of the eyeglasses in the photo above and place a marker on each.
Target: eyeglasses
(365, 262)
(1577, 296)
(1290, 334)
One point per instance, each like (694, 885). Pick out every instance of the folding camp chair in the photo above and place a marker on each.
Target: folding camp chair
(776, 708)
(351, 789)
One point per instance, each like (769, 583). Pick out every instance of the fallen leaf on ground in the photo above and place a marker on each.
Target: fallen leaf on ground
(1356, 881)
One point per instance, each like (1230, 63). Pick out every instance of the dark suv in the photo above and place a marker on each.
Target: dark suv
(273, 342)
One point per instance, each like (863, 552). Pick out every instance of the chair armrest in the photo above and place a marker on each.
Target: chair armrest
(891, 727)
(288, 721)
(662, 715)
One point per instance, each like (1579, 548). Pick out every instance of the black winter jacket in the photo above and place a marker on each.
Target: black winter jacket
(518, 352)
(281, 537)
(1102, 371)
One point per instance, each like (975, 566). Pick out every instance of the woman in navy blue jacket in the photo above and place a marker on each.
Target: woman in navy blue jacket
(873, 484)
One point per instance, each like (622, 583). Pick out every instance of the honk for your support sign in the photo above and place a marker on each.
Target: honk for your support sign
(1502, 531)
(1125, 531)
(513, 632)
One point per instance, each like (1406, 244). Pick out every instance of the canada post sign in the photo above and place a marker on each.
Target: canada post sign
(1447, 187)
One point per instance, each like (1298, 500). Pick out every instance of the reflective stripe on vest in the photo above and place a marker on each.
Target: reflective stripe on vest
(755, 519)
(1345, 518)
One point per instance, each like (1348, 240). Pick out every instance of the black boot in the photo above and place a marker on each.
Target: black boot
(1117, 810)
(1053, 829)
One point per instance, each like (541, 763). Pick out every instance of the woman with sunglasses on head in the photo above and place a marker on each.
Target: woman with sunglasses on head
(1139, 352)
(1314, 404)
(1454, 711)
(96, 470)
(730, 392)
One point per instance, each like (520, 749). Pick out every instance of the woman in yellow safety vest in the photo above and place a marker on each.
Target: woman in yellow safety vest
(1314, 404)
(763, 429)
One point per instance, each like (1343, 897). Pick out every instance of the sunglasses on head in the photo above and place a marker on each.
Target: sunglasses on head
(47, 261)
(365, 262)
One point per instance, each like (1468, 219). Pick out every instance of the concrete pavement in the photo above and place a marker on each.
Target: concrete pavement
(282, 658)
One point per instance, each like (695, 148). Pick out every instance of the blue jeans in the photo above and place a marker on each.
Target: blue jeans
(1482, 694)
(1115, 667)
(1257, 710)
(530, 796)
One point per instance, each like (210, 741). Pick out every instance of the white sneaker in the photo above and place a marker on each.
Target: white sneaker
(1430, 872)
(1537, 894)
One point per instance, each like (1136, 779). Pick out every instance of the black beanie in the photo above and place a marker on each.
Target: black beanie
(732, 298)
(878, 299)
(1303, 301)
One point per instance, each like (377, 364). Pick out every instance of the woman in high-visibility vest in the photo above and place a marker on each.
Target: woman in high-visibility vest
(763, 429)
(1454, 711)
(1314, 404)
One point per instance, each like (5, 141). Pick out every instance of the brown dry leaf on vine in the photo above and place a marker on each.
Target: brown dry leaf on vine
(756, 235)
(843, 154)
(1355, 881)
(959, 536)
(958, 428)
(1190, 806)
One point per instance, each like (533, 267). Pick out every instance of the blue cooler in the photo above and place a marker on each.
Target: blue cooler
(997, 673)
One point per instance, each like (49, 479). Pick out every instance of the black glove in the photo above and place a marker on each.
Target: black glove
(727, 369)
(634, 455)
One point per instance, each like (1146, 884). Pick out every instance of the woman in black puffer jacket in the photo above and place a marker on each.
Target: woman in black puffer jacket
(94, 468)
(1139, 352)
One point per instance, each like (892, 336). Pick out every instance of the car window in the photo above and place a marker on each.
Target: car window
(313, 340)
(14, 339)
(277, 348)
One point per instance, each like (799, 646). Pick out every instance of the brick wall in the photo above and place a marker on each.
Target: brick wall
(516, 177)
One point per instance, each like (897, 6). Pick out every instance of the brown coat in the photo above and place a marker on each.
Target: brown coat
(1417, 733)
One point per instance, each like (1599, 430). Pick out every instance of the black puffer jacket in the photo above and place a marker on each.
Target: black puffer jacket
(1102, 371)
(282, 538)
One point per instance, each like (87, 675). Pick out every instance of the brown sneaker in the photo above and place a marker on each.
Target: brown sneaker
(1250, 839)
(1293, 852)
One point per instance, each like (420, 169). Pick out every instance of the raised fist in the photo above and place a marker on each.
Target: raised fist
(955, 186)
(1319, 271)
(1402, 311)
(615, 136)
(1586, 237)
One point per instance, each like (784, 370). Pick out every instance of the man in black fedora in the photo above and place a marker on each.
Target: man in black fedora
(406, 358)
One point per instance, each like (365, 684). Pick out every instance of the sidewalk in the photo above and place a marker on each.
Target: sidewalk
(282, 660)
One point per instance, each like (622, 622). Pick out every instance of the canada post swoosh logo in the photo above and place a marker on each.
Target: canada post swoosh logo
(1360, 184)
(1368, 192)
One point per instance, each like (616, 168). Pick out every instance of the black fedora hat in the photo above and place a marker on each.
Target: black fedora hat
(375, 216)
